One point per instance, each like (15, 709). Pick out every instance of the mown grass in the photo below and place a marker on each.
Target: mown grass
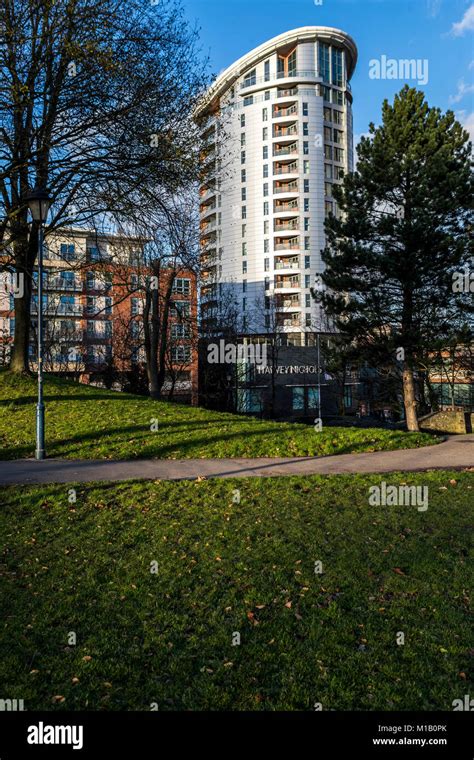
(90, 423)
(236, 556)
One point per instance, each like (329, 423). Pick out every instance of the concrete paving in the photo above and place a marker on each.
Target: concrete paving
(457, 452)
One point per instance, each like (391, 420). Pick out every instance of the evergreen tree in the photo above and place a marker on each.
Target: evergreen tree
(400, 237)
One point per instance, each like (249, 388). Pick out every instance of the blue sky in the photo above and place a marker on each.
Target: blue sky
(440, 31)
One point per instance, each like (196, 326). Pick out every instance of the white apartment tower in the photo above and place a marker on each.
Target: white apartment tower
(277, 136)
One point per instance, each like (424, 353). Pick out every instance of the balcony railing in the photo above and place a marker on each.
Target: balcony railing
(62, 283)
(288, 150)
(288, 93)
(291, 224)
(284, 131)
(289, 169)
(61, 309)
(280, 112)
(280, 75)
(293, 264)
(288, 245)
(292, 302)
(291, 188)
(281, 207)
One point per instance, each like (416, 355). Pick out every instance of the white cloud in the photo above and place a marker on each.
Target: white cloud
(466, 24)
(467, 121)
(463, 90)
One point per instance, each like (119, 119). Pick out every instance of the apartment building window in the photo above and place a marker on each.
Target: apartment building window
(134, 306)
(250, 78)
(267, 303)
(242, 139)
(327, 93)
(337, 67)
(339, 154)
(244, 304)
(266, 246)
(307, 299)
(266, 265)
(90, 307)
(265, 188)
(266, 208)
(265, 170)
(182, 285)
(306, 205)
(324, 65)
(90, 328)
(338, 136)
(306, 167)
(305, 128)
(135, 329)
(108, 329)
(181, 354)
(337, 98)
(180, 309)
(12, 326)
(307, 262)
(134, 281)
(267, 95)
(242, 157)
(248, 100)
(328, 152)
(244, 194)
(244, 286)
(308, 320)
(264, 114)
(305, 109)
(107, 306)
(307, 243)
(337, 117)
(244, 212)
(327, 208)
(178, 331)
(244, 230)
(244, 249)
(327, 113)
(244, 267)
(266, 227)
(68, 251)
(242, 120)
(265, 133)
(328, 134)
(266, 67)
(90, 280)
(306, 186)
(327, 171)
(328, 189)
(265, 152)
(306, 223)
(306, 148)
(307, 281)
(267, 283)
(243, 175)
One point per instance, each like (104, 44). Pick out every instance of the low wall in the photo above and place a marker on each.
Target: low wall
(448, 422)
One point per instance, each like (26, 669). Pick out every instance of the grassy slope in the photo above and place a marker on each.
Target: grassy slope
(89, 423)
(226, 567)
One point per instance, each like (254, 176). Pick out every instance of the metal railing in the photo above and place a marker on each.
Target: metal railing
(253, 81)
(290, 169)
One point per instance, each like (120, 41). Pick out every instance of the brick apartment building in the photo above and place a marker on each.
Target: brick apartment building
(93, 299)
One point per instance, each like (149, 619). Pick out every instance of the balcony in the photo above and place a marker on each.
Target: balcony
(60, 309)
(287, 92)
(62, 283)
(288, 224)
(207, 209)
(285, 150)
(254, 81)
(288, 262)
(292, 320)
(280, 111)
(285, 187)
(208, 229)
(280, 131)
(99, 285)
(284, 207)
(290, 301)
(283, 282)
(292, 244)
(286, 168)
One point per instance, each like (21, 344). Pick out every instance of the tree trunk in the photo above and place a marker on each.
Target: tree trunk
(409, 399)
(25, 255)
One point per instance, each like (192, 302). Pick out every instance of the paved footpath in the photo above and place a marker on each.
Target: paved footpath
(457, 452)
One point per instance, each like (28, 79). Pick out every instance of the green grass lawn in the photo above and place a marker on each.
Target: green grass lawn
(225, 568)
(90, 423)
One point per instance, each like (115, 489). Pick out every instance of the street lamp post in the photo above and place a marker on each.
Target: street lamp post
(38, 202)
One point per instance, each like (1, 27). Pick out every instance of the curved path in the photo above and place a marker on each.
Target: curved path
(457, 452)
